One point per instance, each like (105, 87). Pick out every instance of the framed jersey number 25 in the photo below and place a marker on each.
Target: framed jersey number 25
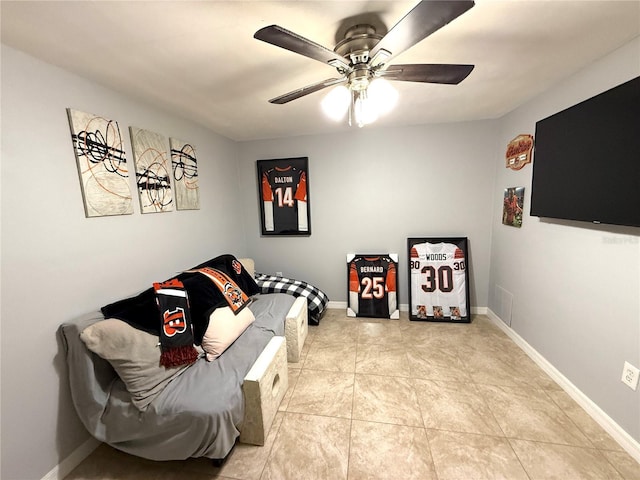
(372, 285)
(438, 279)
(284, 196)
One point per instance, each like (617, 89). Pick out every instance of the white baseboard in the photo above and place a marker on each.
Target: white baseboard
(67, 465)
(626, 441)
(337, 305)
(404, 307)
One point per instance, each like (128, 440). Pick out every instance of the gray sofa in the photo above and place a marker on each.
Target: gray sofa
(196, 411)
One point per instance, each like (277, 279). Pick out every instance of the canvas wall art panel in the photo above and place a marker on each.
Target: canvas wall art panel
(102, 164)
(185, 175)
(151, 160)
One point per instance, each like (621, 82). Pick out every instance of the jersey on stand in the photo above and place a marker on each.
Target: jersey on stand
(438, 281)
(284, 193)
(372, 286)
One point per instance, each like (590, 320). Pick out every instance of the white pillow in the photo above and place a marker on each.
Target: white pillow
(224, 328)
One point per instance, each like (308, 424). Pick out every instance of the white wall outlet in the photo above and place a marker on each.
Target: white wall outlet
(630, 375)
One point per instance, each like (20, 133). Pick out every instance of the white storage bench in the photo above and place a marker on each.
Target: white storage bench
(264, 387)
(296, 328)
(267, 381)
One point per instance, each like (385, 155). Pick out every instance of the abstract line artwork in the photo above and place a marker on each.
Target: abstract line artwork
(152, 171)
(102, 165)
(185, 175)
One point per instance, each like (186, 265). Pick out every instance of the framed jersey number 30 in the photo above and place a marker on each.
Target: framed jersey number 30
(438, 279)
(284, 196)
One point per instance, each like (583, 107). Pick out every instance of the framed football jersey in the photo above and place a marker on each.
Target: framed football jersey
(438, 279)
(372, 285)
(284, 196)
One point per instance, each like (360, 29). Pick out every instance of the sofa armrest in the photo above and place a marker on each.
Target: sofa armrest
(249, 265)
(296, 327)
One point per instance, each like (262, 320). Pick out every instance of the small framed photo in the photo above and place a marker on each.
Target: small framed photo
(438, 279)
(372, 284)
(284, 196)
(512, 206)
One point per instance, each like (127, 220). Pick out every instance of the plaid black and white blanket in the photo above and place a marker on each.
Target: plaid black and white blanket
(317, 300)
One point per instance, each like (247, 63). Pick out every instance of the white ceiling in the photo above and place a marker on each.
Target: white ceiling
(199, 60)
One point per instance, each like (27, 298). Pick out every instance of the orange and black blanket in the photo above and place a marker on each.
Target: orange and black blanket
(185, 303)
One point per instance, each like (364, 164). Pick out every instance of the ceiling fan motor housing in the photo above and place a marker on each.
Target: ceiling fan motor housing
(355, 47)
(358, 42)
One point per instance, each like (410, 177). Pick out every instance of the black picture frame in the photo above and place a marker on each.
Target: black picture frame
(283, 195)
(438, 279)
(372, 285)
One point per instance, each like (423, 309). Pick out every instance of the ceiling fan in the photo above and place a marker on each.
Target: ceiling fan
(362, 58)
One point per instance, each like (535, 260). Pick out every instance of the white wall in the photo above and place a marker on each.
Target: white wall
(57, 264)
(372, 189)
(575, 286)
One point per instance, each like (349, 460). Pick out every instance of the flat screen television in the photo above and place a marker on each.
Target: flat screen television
(586, 163)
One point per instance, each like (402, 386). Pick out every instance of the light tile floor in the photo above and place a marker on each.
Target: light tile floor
(394, 399)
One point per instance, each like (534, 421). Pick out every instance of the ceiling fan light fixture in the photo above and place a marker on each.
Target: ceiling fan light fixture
(382, 96)
(335, 104)
(364, 102)
(363, 111)
(367, 104)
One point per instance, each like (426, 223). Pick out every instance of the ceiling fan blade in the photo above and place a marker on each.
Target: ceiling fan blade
(283, 38)
(425, 18)
(301, 92)
(450, 74)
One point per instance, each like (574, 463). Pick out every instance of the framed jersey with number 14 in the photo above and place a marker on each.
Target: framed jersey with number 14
(438, 279)
(284, 196)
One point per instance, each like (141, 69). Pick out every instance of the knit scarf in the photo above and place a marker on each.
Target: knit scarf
(176, 330)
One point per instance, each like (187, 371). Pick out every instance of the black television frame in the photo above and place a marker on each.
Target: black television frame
(586, 164)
